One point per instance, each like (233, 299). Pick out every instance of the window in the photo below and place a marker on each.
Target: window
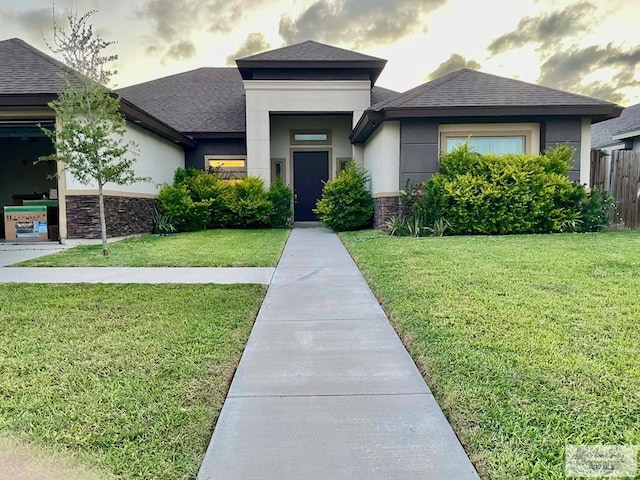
(277, 169)
(310, 137)
(497, 145)
(498, 138)
(228, 167)
(342, 163)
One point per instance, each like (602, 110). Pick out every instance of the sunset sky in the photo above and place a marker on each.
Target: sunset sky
(584, 47)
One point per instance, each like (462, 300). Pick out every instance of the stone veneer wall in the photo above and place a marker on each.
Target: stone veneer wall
(124, 216)
(384, 208)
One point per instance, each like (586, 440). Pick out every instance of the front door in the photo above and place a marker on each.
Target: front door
(310, 170)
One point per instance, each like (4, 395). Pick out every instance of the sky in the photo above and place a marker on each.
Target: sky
(591, 47)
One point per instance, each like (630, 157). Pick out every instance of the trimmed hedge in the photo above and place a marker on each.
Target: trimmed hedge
(199, 200)
(508, 194)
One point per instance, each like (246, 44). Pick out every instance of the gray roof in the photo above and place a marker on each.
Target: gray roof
(602, 133)
(199, 101)
(311, 51)
(25, 70)
(471, 94)
(381, 94)
(470, 88)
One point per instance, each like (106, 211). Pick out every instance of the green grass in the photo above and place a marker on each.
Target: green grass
(126, 378)
(208, 248)
(528, 342)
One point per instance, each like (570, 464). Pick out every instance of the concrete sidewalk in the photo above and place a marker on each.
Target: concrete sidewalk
(220, 275)
(11, 253)
(325, 389)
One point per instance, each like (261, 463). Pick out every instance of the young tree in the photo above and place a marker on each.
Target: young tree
(89, 138)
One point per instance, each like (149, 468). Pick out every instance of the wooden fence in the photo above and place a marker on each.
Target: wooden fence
(619, 174)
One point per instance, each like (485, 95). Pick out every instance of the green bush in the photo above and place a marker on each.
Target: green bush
(280, 197)
(187, 216)
(346, 204)
(249, 203)
(199, 199)
(594, 215)
(490, 194)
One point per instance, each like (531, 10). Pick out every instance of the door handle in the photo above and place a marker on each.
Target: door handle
(295, 197)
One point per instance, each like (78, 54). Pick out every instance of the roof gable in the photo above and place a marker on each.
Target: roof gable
(311, 51)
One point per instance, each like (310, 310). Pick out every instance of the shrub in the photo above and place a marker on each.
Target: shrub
(174, 202)
(280, 197)
(249, 203)
(594, 214)
(346, 204)
(490, 194)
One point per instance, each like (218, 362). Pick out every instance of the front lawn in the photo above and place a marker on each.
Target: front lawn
(206, 248)
(128, 379)
(528, 342)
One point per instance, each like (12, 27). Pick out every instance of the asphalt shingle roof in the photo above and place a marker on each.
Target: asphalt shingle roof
(470, 88)
(602, 133)
(311, 51)
(381, 94)
(25, 70)
(198, 101)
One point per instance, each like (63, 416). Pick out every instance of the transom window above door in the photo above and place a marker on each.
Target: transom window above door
(310, 137)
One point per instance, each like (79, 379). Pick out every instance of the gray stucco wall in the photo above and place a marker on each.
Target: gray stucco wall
(225, 146)
(418, 150)
(419, 154)
(567, 131)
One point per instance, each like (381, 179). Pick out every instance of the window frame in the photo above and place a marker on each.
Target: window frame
(283, 172)
(530, 132)
(317, 131)
(232, 172)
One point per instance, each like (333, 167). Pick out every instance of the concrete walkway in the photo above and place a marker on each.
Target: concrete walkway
(325, 389)
(220, 275)
(11, 253)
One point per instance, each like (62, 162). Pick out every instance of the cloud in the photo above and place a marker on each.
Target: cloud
(34, 22)
(566, 69)
(354, 23)
(182, 50)
(547, 29)
(173, 21)
(255, 43)
(453, 63)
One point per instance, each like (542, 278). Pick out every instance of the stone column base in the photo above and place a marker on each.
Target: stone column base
(385, 208)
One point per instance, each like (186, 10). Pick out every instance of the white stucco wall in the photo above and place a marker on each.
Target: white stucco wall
(295, 96)
(281, 146)
(158, 159)
(585, 152)
(382, 159)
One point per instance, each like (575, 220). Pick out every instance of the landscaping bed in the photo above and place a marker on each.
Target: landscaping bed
(128, 379)
(206, 248)
(528, 342)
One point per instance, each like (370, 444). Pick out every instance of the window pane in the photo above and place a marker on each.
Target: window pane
(497, 145)
(227, 163)
(310, 137)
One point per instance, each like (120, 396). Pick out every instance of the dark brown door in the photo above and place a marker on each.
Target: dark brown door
(310, 170)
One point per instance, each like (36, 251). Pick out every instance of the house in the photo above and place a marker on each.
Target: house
(298, 113)
(621, 133)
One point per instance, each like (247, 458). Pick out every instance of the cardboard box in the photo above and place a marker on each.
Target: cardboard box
(25, 223)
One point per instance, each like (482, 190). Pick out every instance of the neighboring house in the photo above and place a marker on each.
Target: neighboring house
(622, 133)
(298, 113)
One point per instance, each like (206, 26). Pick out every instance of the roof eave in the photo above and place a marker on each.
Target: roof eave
(141, 118)
(27, 100)
(625, 135)
(371, 119)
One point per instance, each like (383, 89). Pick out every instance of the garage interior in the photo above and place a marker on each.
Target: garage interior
(28, 190)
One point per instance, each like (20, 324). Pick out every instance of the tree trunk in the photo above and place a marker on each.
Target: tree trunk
(103, 222)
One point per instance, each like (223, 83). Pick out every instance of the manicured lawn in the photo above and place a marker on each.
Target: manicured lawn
(126, 378)
(528, 342)
(208, 248)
